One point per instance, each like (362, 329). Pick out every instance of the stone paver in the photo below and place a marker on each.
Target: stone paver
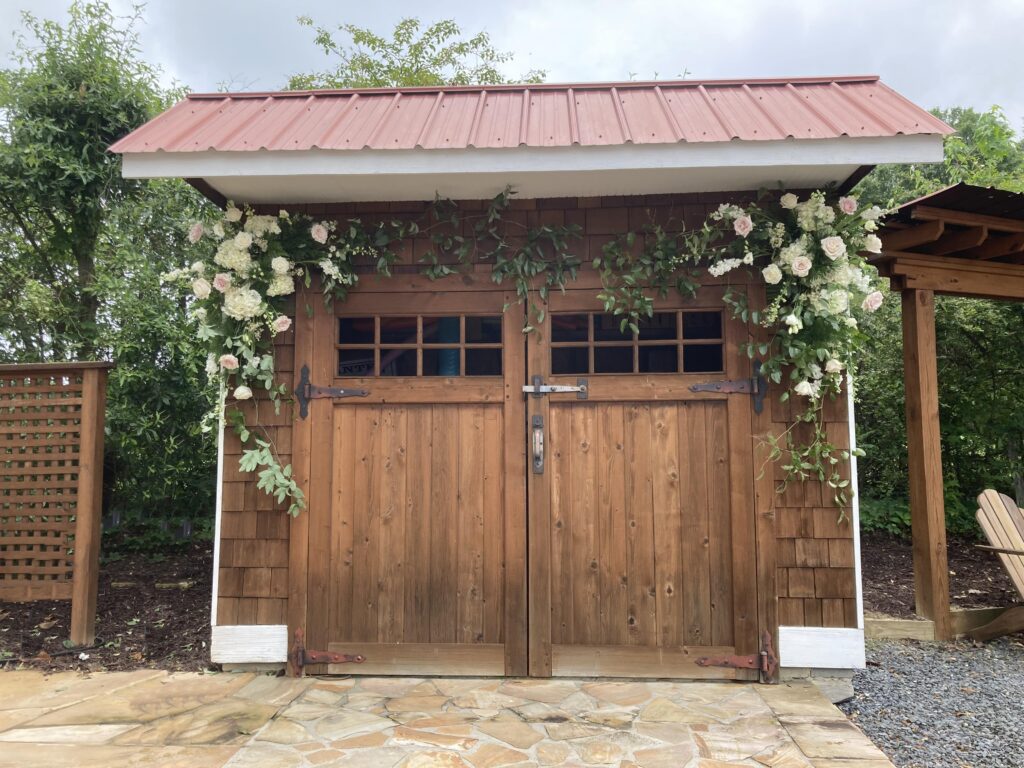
(124, 720)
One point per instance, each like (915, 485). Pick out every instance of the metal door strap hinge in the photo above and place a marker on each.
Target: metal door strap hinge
(538, 388)
(757, 386)
(300, 657)
(307, 391)
(765, 662)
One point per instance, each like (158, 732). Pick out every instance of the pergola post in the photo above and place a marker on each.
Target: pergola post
(927, 507)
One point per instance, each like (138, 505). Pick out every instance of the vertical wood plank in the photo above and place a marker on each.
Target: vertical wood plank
(363, 626)
(493, 587)
(539, 523)
(924, 448)
(344, 493)
(696, 546)
(515, 490)
(88, 530)
(391, 551)
(470, 525)
(444, 532)
(612, 525)
(719, 523)
(640, 522)
(583, 559)
(667, 525)
(558, 466)
(418, 552)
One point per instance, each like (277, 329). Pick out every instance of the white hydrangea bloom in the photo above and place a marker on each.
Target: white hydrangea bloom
(231, 257)
(281, 285)
(242, 303)
(243, 240)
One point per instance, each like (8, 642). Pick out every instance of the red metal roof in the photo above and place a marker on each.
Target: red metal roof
(585, 114)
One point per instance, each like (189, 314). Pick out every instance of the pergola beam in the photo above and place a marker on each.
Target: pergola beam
(996, 247)
(966, 218)
(953, 242)
(927, 506)
(954, 276)
(904, 239)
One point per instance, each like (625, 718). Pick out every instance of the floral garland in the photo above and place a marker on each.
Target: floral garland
(811, 256)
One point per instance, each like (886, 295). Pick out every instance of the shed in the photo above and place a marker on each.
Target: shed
(618, 525)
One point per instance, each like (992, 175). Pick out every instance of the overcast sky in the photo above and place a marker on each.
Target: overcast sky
(936, 52)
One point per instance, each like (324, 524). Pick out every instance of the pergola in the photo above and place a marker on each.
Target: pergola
(961, 241)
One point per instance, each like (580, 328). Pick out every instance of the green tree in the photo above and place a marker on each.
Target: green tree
(82, 251)
(412, 55)
(76, 89)
(980, 350)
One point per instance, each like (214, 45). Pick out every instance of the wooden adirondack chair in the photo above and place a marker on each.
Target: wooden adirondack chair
(1003, 524)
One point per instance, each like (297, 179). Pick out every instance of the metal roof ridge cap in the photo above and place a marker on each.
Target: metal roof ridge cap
(872, 115)
(524, 119)
(597, 85)
(672, 122)
(429, 121)
(621, 115)
(474, 125)
(767, 115)
(815, 111)
(574, 119)
(717, 113)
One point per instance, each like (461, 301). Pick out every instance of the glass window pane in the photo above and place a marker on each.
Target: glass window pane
(702, 325)
(659, 359)
(483, 330)
(398, 362)
(398, 330)
(569, 327)
(440, 330)
(355, 362)
(606, 328)
(569, 360)
(440, 362)
(482, 362)
(702, 358)
(613, 359)
(661, 326)
(355, 330)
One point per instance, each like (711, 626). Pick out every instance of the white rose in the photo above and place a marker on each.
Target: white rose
(801, 266)
(873, 244)
(872, 213)
(242, 392)
(201, 288)
(872, 301)
(833, 366)
(243, 240)
(280, 265)
(198, 267)
(772, 274)
(789, 201)
(232, 213)
(806, 389)
(218, 230)
(834, 247)
(793, 323)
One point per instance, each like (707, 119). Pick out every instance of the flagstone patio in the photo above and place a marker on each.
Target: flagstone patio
(152, 718)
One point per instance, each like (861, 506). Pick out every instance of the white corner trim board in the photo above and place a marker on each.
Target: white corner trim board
(855, 502)
(217, 510)
(251, 644)
(821, 647)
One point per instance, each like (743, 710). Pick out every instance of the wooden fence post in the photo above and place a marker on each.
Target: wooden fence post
(88, 515)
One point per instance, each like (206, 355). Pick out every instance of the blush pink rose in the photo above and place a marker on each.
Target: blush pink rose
(222, 281)
(228, 362)
(319, 233)
(281, 323)
(196, 232)
(872, 301)
(743, 225)
(848, 205)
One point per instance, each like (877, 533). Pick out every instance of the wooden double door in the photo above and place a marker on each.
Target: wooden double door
(459, 525)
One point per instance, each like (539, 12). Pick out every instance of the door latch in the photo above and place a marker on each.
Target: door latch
(537, 444)
(538, 388)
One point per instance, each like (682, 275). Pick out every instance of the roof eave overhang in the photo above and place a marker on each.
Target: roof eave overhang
(317, 176)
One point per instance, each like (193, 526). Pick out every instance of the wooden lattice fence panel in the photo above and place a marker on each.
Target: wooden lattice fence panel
(51, 463)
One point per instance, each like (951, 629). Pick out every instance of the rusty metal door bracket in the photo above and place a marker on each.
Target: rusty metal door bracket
(307, 391)
(765, 662)
(299, 657)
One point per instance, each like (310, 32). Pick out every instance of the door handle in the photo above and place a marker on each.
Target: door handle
(537, 444)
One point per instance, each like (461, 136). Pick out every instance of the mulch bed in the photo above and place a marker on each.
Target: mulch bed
(138, 624)
(976, 578)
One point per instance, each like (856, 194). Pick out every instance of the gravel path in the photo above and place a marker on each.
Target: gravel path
(939, 705)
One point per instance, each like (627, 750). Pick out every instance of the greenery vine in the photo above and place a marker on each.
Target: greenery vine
(810, 253)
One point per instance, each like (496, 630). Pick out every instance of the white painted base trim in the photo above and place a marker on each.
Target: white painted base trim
(821, 647)
(254, 644)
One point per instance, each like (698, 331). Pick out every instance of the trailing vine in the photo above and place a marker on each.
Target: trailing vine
(810, 254)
